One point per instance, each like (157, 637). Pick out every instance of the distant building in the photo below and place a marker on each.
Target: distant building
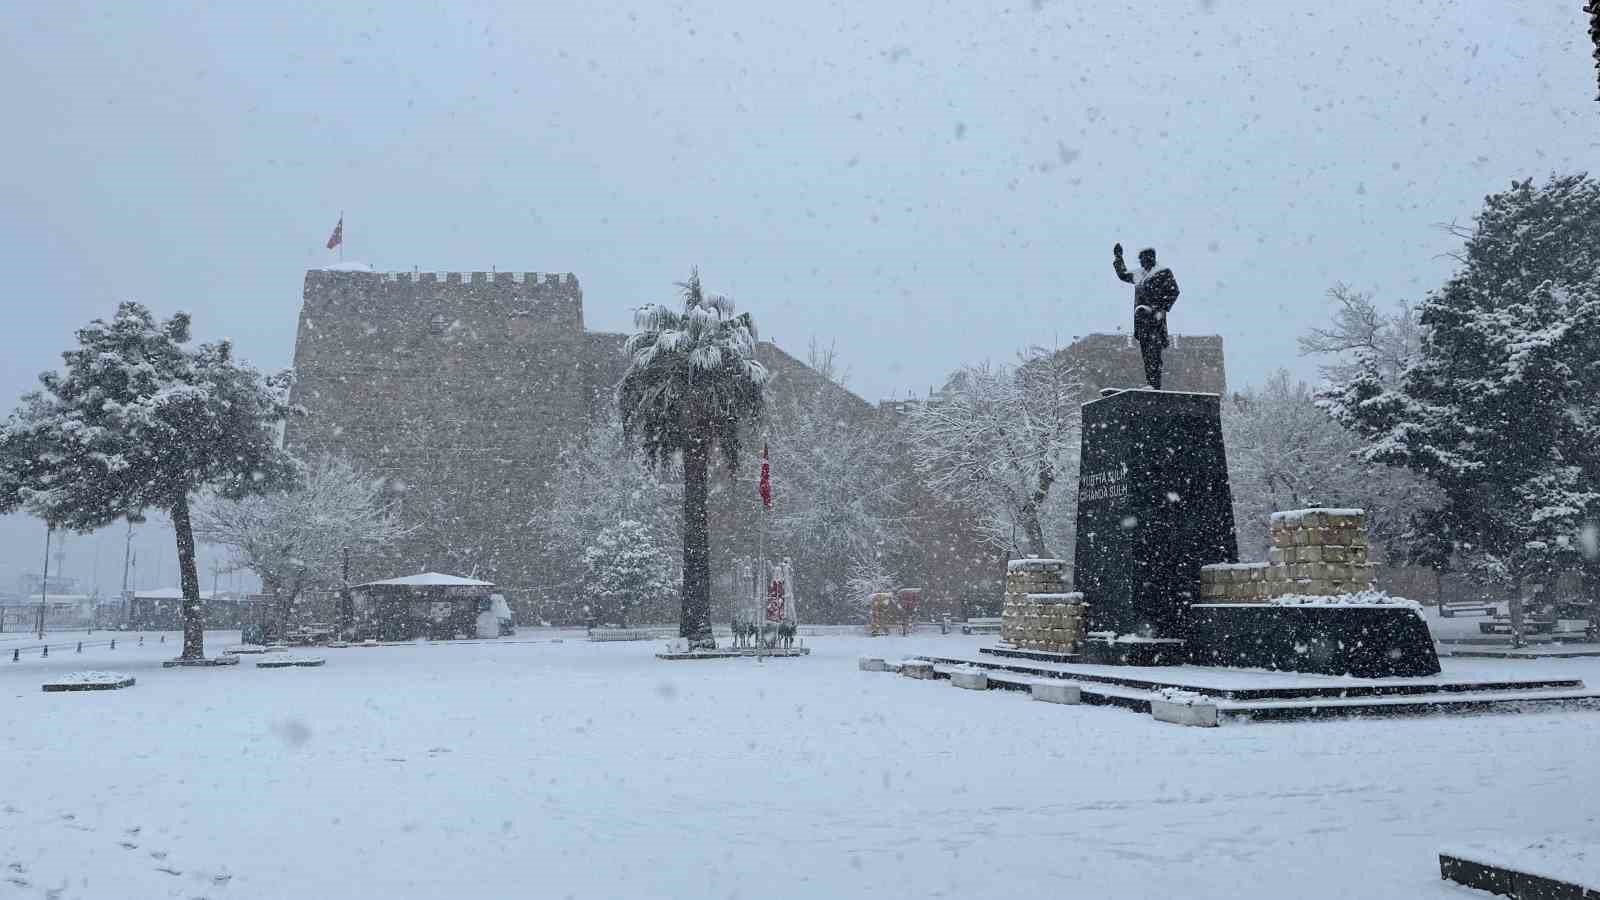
(160, 609)
(1193, 363)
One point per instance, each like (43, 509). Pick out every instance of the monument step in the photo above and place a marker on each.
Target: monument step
(1288, 701)
(1237, 684)
(1413, 704)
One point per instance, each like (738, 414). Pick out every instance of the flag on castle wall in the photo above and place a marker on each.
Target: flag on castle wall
(766, 480)
(337, 237)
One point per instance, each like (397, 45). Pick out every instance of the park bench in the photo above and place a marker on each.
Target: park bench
(1449, 608)
(1502, 625)
(981, 626)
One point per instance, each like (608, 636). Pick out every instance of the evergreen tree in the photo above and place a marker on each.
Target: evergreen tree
(1502, 409)
(137, 420)
(692, 384)
(627, 570)
(599, 483)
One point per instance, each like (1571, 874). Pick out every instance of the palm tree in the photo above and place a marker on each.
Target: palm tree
(692, 382)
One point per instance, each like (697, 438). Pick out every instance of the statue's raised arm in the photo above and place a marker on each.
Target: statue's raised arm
(1118, 265)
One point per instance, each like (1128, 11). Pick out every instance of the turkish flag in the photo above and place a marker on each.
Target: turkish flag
(766, 480)
(337, 237)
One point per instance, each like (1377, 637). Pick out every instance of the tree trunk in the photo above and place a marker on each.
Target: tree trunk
(1515, 609)
(1591, 593)
(1032, 530)
(695, 619)
(193, 611)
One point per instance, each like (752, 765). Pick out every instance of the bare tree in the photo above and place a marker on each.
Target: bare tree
(839, 492)
(999, 438)
(295, 540)
(1286, 452)
(1361, 337)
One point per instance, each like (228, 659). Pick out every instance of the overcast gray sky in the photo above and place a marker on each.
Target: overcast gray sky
(922, 184)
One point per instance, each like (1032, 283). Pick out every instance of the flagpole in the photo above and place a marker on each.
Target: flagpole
(341, 235)
(764, 595)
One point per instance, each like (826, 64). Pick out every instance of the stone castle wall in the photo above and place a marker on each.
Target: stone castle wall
(459, 389)
(1193, 363)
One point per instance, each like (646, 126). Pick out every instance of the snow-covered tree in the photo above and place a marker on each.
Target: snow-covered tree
(836, 497)
(1502, 409)
(138, 420)
(627, 569)
(868, 576)
(999, 438)
(693, 384)
(1286, 452)
(295, 540)
(599, 483)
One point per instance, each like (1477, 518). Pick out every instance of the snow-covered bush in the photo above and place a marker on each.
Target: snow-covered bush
(627, 569)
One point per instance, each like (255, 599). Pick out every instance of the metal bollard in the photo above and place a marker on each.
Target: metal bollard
(16, 654)
(113, 643)
(141, 640)
(163, 639)
(46, 652)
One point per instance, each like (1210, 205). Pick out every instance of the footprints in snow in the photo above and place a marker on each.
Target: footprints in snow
(16, 873)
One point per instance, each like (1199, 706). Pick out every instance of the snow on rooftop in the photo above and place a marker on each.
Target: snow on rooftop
(347, 267)
(430, 579)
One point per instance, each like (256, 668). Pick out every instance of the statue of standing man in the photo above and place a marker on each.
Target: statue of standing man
(1155, 290)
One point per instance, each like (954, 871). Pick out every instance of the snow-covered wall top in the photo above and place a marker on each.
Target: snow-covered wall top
(1029, 565)
(1297, 516)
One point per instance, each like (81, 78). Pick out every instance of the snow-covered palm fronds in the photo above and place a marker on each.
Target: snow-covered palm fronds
(693, 384)
(692, 376)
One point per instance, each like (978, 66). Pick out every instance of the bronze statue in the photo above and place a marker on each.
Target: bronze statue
(1155, 290)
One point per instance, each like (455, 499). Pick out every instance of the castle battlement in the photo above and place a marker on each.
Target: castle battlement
(550, 278)
(360, 313)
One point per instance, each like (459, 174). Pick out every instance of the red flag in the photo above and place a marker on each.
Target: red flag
(337, 237)
(766, 480)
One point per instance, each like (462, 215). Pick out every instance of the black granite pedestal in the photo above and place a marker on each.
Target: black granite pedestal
(1153, 507)
(1364, 641)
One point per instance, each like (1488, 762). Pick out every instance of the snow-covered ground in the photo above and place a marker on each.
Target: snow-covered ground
(539, 769)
